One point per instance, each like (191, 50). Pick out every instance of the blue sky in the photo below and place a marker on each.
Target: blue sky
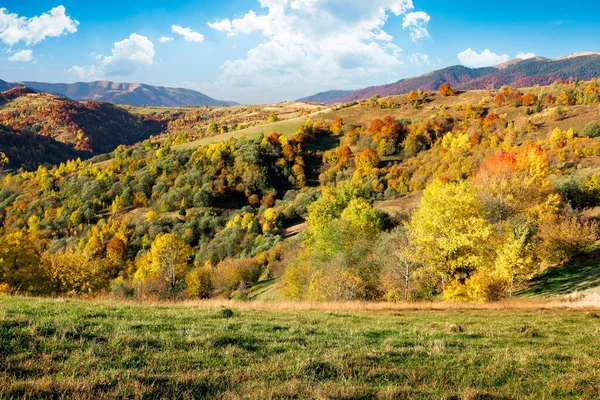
(270, 50)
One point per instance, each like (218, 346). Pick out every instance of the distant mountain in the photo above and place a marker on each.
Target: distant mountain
(136, 94)
(517, 73)
(327, 97)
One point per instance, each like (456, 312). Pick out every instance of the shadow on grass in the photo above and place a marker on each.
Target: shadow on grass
(324, 143)
(582, 273)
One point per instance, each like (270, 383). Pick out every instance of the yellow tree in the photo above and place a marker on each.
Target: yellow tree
(337, 128)
(516, 257)
(366, 161)
(3, 160)
(449, 231)
(20, 263)
(167, 260)
(271, 217)
(76, 272)
(361, 219)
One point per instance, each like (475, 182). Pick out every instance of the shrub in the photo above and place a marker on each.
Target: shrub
(199, 282)
(446, 90)
(559, 114)
(564, 236)
(591, 130)
(224, 313)
(576, 195)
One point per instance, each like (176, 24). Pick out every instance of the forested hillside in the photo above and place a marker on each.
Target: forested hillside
(462, 196)
(42, 128)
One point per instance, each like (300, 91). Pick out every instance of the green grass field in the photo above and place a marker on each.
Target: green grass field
(286, 127)
(93, 350)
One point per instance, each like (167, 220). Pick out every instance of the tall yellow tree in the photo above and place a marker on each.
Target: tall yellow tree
(20, 263)
(167, 260)
(449, 231)
(516, 257)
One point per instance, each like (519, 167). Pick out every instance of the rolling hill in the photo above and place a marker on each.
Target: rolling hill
(40, 128)
(135, 94)
(516, 73)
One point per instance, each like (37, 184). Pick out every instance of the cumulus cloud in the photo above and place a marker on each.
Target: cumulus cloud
(127, 57)
(54, 23)
(165, 39)
(471, 58)
(22, 56)
(525, 56)
(311, 43)
(417, 23)
(188, 34)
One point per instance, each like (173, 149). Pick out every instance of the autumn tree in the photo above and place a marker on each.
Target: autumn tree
(516, 256)
(515, 182)
(3, 160)
(337, 128)
(563, 236)
(446, 90)
(366, 161)
(395, 253)
(75, 272)
(199, 282)
(20, 264)
(449, 231)
(167, 260)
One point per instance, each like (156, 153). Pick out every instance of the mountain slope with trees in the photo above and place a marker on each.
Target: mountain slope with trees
(43, 128)
(459, 196)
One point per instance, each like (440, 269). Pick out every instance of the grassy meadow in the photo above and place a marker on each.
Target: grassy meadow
(80, 349)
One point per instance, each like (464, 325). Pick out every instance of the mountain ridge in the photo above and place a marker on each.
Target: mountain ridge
(517, 72)
(135, 94)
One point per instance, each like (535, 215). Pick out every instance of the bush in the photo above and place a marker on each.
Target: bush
(199, 282)
(559, 114)
(575, 194)
(564, 236)
(592, 130)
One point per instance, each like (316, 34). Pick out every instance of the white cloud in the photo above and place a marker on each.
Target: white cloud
(15, 29)
(525, 56)
(165, 39)
(316, 43)
(127, 57)
(416, 22)
(22, 56)
(419, 59)
(486, 58)
(188, 34)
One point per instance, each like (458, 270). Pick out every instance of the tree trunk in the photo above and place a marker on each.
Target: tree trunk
(512, 284)
(406, 278)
